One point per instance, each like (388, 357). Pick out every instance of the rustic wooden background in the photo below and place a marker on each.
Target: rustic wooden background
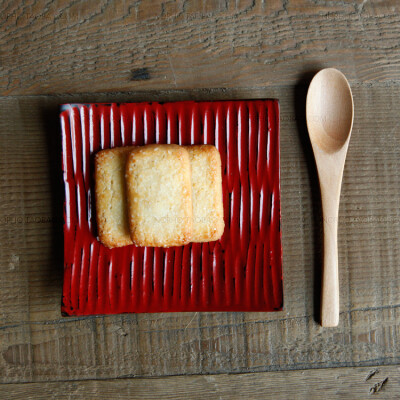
(53, 52)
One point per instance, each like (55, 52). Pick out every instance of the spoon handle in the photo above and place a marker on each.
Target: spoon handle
(330, 273)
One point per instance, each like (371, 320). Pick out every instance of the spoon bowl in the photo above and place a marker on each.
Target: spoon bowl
(329, 110)
(329, 115)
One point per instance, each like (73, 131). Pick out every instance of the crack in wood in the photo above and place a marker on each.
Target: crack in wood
(378, 386)
(371, 374)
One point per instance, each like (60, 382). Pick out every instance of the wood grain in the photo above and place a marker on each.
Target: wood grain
(179, 50)
(96, 46)
(332, 383)
(36, 344)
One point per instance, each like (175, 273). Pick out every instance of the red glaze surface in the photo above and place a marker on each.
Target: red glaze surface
(240, 272)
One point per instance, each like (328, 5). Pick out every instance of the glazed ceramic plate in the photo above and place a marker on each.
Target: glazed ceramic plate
(240, 272)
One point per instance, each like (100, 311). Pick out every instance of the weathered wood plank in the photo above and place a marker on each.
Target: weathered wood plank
(93, 46)
(332, 383)
(130, 345)
(36, 344)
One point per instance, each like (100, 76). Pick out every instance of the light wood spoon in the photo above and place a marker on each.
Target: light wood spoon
(330, 112)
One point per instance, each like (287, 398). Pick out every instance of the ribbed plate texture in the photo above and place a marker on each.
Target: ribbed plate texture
(240, 272)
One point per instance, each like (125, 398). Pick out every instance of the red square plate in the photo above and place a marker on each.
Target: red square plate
(240, 272)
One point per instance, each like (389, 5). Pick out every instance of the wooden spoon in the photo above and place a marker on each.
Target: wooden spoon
(330, 111)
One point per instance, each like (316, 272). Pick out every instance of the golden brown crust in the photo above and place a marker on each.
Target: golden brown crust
(159, 195)
(111, 209)
(208, 212)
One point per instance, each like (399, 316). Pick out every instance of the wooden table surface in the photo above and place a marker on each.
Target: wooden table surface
(103, 51)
